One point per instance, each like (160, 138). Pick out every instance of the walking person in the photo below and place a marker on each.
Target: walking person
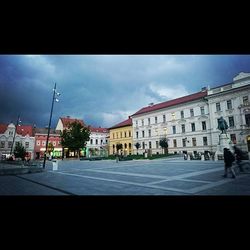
(117, 157)
(228, 160)
(239, 156)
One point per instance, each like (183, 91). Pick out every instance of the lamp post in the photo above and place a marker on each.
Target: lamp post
(51, 111)
(17, 124)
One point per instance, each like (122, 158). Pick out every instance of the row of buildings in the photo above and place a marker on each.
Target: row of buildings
(190, 124)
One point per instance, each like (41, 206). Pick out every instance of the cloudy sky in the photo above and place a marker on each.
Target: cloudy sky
(104, 89)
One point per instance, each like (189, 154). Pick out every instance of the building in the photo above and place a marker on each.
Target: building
(63, 124)
(24, 135)
(121, 133)
(232, 102)
(98, 143)
(190, 123)
(41, 135)
(183, 121)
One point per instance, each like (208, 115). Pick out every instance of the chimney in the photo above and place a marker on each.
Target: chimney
(68, 116)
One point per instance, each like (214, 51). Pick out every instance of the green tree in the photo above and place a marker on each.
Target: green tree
(50, 148)
(75, 137)
(19, 151)
(137, 145)
(164, 144)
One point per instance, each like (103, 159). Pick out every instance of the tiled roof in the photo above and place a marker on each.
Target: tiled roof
(3, 128)
(100, 130)
(66, 121)
(173, 102)
(21, 130)
(127, 122)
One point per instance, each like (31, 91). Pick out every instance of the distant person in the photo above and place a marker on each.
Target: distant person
(117, 157)
(228, 160)
(239, 157)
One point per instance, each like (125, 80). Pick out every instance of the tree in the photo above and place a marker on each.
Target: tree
(50, 148)
(19, 151)
(137, 145)
(75, 136)
(164, 144)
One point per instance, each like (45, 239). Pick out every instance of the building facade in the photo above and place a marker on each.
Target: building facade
(121, 133)
(24, 135)
(190, 123)
(98, 143)
(41, 135)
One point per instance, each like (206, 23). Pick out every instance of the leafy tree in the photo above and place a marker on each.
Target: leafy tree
(137, 145)
(19, 151)
(164, 144)
(50, 148)
(75, 136)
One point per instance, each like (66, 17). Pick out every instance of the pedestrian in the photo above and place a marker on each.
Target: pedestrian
(117, 157)
(239, 156)
(228, 160)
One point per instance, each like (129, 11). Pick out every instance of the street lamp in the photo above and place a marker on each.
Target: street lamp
(51, 111)
(17, 124)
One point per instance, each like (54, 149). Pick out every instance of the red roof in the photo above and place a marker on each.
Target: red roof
(21, 130)
(173, 102)
(66, 121)
(100, 130)
(127, 122)
(3, 128)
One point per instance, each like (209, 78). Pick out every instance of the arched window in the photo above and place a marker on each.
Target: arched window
(125, 145)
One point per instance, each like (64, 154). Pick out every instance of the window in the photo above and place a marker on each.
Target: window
(148, 121)
(194, 142)
(142, 122)
(175, 143)
(231, 121)
(157, 144)
(137, 133)
(101, 142)
(143, 145)
(173, 116)
(2, 145)
(125, 134)
(247, 117)
(26, 144)
(183, 128)
(204, 141)
(106, 141)
(136, 123)
(202, 110)
(218, 107)
(38, 143)
(156, 119)
(204, 126)
(43, 143)
(233, 138)
(129, 133)
(9, 144)
(164, 118)
(96, 141)
(11, 133)
(116, 135)
(229, 104)
(54, 143)
(59, 143)
(91, 141)
(245, 100)
(149, 133)
(150, 144)
(193, 127)
(184, 142)
(120, 134)
(174, 129)
(182, 114)
(113, 135)
(143, 133)
(191, 112)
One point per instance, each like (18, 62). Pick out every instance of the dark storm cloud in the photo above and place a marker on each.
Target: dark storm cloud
(104, 90)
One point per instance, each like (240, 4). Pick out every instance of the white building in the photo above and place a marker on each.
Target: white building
(98, 143)
(24, 135)
(190, 123)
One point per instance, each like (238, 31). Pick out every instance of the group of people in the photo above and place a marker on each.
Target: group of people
(229, 158)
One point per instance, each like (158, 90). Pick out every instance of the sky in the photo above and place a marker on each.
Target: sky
(104, 90)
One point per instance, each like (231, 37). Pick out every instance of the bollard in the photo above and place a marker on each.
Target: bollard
(55, 165)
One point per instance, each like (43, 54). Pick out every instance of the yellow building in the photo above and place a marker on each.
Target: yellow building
(121, 133)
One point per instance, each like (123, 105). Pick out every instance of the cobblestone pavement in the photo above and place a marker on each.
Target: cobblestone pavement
(138, 177)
